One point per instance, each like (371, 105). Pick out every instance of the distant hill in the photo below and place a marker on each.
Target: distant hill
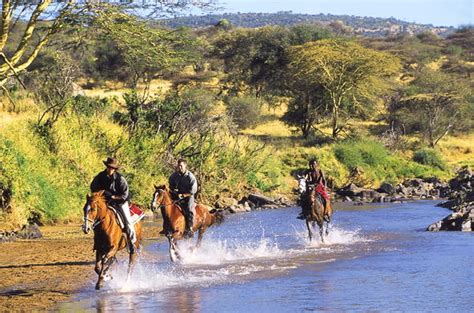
(367, 26)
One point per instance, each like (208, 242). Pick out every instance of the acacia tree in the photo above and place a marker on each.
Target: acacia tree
(47, 17)
(348, 72)
(434, 104)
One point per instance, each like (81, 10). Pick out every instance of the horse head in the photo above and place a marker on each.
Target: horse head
(158, 197)
(91, 210)
(301, 185)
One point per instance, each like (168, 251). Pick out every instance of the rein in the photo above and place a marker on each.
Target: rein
(95, 222)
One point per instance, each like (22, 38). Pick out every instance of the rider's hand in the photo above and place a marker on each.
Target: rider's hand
(180, 195)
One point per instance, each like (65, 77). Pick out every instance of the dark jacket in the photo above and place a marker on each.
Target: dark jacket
(113, 186)
(183, 183)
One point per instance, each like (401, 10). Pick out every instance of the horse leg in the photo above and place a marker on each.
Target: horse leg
(98, 261)
(173, 249)
(327, 227)
(106, 261)
(321, 230)
(310, 233)
(106, 274)
(200, 235)
(131, 263)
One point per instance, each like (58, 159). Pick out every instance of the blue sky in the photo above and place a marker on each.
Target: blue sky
(436, 12)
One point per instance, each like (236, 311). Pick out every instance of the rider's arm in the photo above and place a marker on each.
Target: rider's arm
(122, 189)
(193, 182)
(323, 179)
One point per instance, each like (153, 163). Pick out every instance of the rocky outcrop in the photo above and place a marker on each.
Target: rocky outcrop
(410, 189)
(26, 232)
(461, 201)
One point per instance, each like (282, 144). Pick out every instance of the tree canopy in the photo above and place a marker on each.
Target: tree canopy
(348, 72)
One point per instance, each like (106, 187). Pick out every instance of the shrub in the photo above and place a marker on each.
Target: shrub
(245, 111)
(429, 157)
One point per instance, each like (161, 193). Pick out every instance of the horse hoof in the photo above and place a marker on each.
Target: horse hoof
(108, 277)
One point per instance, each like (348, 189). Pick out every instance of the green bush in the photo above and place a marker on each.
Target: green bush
(371, 163)
(245, 111)
(429, 157)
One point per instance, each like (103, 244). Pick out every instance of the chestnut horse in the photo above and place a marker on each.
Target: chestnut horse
(315, 211)
(174, 223)
(108, 236)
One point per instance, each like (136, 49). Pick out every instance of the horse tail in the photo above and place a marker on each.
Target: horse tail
(217, 216)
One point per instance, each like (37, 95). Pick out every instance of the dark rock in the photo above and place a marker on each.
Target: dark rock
(386, 188)
(26, 232)
(350, 190)
(29, 232)
(457, 221)
(225, 202)
(260, 200)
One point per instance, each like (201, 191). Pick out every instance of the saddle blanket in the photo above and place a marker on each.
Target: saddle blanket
(136, 213)
(322, 191)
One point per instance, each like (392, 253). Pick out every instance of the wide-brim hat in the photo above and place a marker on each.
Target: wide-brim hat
(112, 162)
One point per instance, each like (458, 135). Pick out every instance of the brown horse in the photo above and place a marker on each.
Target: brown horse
(315, 211)
(174, 223)
(108, 236)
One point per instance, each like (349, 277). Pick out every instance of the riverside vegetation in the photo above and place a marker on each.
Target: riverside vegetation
(248, 107)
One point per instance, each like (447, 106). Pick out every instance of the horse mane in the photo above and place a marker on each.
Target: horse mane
(99, 197)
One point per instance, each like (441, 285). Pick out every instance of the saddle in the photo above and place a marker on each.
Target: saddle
(135, 213)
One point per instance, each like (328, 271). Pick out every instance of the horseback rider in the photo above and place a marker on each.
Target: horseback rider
(183, 186)
(116, 194)
(314, 177)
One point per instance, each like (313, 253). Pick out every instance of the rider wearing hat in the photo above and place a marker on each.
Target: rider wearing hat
(116, 193)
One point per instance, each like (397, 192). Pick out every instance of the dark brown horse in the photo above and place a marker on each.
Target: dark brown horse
(108, 236)
(315, 211)
(174, 223)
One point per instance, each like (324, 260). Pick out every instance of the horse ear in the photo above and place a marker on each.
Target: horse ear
(88, 196)
(156, 187)
(101, 193)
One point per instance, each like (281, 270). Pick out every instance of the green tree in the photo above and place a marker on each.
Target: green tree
(45, 18)
(433, 104)
(348, 72)
(254, 59)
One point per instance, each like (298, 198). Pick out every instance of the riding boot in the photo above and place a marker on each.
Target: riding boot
(188, 232)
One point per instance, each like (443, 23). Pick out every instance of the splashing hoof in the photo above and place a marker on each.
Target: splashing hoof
(99, 284)
(108, 277)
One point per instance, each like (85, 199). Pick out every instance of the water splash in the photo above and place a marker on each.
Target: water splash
(336, 236)
(220, 261)
(217, 252)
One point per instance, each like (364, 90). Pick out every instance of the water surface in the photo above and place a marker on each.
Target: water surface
(376, 259)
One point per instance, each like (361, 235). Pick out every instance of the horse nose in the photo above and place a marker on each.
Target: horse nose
(86, 229)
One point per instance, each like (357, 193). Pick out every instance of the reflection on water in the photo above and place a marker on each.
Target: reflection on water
(374, 259)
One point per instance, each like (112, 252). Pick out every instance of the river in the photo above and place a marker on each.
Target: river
(376, 258)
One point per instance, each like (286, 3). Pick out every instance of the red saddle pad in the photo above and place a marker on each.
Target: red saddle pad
(135, 210)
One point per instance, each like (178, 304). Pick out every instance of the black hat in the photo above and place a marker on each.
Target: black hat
(111, 162)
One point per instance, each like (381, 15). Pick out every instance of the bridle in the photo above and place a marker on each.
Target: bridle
(87, 220)
(153, 205)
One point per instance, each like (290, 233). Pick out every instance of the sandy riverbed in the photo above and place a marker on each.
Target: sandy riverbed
(36, 274)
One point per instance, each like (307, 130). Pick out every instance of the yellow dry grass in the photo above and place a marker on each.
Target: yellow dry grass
(273, 128)
(157, 86)
(459, 150)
